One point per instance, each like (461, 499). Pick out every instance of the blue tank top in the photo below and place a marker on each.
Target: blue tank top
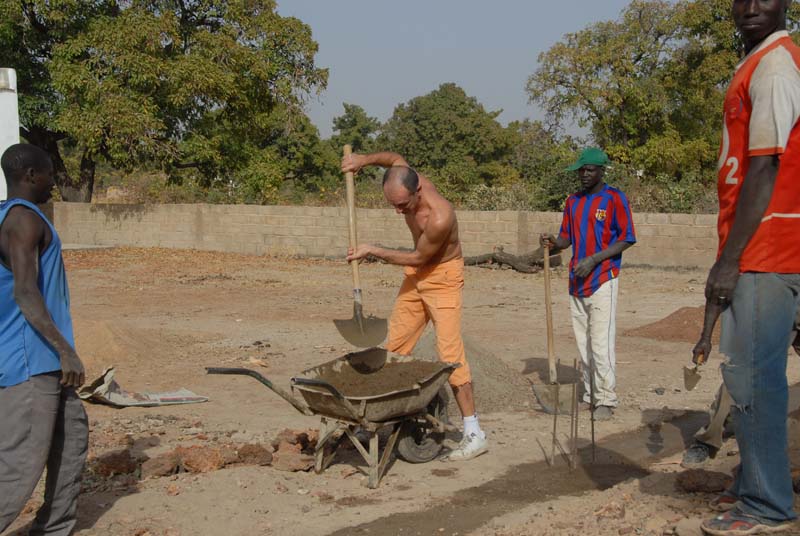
(23, 351)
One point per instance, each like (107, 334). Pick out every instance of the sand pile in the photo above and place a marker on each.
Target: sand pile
(683, 325)
(498, 387)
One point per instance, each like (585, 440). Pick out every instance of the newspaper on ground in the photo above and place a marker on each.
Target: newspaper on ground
(106, 390)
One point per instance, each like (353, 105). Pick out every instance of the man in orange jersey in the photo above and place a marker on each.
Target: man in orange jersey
(433, 283)
(756, 278)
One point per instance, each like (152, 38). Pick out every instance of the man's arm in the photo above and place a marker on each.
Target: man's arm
(556, 244)
(623, 224)
(562, 242)
(702, 349)
(431, 241)
(754, 198)
(587, 264)
(354, 162)
(25, 232)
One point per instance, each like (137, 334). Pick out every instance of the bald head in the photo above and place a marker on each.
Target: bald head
(397, 175)
(20, 158)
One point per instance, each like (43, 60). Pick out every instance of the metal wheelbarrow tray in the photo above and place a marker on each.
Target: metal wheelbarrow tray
(402, 392)
(405, 396)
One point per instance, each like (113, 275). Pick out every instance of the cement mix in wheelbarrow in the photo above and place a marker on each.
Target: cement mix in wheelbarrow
(393, 376)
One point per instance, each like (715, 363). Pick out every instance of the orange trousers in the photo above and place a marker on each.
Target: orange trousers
(431, 293)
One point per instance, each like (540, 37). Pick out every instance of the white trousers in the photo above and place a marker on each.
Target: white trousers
(594, 324)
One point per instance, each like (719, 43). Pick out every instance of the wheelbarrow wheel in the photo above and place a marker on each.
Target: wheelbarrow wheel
(418, 442)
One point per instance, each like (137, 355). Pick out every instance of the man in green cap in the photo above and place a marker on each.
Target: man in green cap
(597, 223)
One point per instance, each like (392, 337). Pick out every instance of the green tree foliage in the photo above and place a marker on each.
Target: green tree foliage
(360, 131)
(649, 85)
(204, 89)
(450, 136)
(541, 157)
(356, 128)
(610, 77)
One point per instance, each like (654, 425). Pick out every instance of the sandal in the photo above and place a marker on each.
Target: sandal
(738, 524)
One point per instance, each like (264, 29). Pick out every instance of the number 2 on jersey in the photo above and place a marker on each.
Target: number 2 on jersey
(731, 178)
(725, 161)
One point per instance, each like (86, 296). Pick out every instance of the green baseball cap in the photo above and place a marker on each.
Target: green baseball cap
(591, 156)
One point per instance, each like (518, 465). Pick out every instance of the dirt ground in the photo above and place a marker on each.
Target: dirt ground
(161, 316)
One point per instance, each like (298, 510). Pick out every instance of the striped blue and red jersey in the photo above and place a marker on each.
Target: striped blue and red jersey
(592, 223)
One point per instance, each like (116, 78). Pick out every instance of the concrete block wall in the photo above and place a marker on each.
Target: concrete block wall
(674, 240)
(664, 239)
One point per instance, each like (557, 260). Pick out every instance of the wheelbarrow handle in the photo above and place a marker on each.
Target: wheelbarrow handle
(277, 390)
(308, 382)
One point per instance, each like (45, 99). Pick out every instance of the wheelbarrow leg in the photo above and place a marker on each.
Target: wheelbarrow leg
(327, 431)
(388, 450)
(374, 468)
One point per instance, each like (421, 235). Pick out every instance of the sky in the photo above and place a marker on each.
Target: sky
(381, 53)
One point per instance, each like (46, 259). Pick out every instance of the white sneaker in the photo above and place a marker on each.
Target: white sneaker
(471, 446)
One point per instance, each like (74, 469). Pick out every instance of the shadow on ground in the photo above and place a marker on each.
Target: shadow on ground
(616, 458)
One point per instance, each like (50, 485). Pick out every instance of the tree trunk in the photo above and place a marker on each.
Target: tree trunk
(48, 141)
(78, 191)
(82, 191)
(528, 263)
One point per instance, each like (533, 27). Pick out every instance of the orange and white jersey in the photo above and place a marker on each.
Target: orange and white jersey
(762, 106)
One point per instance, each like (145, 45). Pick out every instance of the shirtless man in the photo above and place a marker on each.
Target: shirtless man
(433, 283)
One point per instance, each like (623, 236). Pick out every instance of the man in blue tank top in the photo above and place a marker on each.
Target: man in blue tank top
(42, 420)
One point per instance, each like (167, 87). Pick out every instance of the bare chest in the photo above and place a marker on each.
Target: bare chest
(417, 223)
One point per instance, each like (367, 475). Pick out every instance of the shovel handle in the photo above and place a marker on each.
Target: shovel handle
(351, 218)
(548, 307)
(700, 359)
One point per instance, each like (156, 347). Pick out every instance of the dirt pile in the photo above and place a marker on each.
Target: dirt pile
(700, 480)
(115, 462)
(683, 325)
(498, 387)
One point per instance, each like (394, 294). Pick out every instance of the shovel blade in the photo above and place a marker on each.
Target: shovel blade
(546, 395)
(691, 375)
(361, 331)
(367, 361)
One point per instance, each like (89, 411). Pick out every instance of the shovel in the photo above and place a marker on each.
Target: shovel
(691, 372)
(548, 394)
(360, 331)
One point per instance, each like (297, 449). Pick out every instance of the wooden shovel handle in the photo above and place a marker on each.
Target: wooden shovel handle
(548, 307)
(351, 216)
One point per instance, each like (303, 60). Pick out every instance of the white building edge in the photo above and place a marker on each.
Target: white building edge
(9, 117)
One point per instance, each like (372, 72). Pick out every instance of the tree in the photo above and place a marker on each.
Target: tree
(451, 135)
(541, 157)
(607, 77)
(356, 128)
(648, 85)
(195, 86)
(28, 33)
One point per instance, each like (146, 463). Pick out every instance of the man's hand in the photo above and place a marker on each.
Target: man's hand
(72, 372)
(722, 281)
(547, 240)
(585, 266)
(701, 351)
(353, 163)
(359, 252)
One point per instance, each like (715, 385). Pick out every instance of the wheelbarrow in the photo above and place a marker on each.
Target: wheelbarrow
(347, 399)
